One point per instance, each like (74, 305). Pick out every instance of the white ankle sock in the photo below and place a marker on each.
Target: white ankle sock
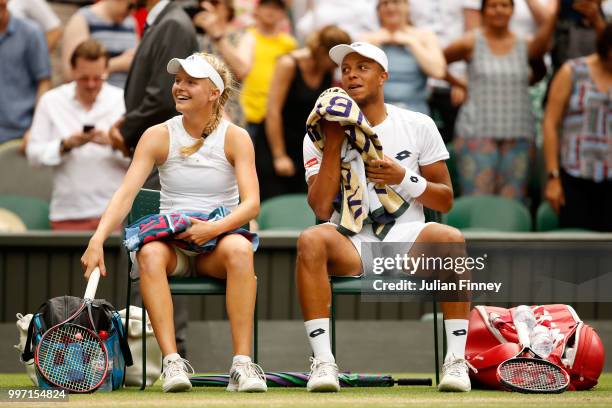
(241, 359)
(456, 336)
(170, 357)
(317, 331)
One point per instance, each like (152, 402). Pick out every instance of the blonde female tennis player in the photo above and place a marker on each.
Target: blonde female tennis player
(204, 161)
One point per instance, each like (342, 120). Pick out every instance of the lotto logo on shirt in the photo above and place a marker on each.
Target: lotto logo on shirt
(311, 162)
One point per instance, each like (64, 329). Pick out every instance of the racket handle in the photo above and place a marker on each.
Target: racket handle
(414, 381)
(92, 284)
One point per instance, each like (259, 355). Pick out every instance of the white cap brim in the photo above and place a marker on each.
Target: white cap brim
(197, 67)
(338, 53)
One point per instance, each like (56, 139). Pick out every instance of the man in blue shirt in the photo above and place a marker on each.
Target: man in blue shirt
(25, 73)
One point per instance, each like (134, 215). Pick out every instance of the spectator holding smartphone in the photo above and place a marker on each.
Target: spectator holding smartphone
(70, 134)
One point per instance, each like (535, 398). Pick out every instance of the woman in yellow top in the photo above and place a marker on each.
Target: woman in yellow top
(270, 44)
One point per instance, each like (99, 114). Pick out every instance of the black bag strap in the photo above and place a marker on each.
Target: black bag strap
(27, 350)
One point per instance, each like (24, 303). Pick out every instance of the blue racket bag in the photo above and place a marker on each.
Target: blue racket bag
(106, 319)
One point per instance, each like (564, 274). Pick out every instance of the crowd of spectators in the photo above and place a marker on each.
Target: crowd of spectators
(472, 65)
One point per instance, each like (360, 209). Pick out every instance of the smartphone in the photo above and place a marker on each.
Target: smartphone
(88, 128)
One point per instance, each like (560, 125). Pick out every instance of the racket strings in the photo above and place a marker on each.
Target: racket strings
(533, 375)
(71, 357)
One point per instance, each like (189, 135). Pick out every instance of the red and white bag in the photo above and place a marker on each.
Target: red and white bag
(492, 339)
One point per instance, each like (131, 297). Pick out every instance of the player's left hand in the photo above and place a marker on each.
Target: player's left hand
(200, 231)
(386, 171)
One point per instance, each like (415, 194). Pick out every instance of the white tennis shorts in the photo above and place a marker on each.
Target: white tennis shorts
(183, 263)
(406, 233)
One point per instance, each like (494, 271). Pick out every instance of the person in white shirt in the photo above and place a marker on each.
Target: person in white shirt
(414, 167)
(70, 133)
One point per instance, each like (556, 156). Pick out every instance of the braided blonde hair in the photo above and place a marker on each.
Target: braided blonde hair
(217, 114)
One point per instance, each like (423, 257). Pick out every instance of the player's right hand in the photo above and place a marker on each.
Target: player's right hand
(554, 194)
(93, 256)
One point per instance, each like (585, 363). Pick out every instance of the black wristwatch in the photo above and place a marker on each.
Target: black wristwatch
(554, 174)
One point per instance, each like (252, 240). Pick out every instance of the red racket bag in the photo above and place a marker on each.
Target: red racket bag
(492, 339)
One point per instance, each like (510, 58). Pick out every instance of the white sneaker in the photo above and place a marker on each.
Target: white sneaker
(455, 376)
(175, 376)
(323, 376)
(246, 377)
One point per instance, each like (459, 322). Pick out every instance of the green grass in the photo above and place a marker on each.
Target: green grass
(372, 397)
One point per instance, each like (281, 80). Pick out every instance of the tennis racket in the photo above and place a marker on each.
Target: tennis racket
(71, 356)
(530, 374)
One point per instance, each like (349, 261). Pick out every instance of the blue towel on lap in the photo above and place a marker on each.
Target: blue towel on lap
(164, 227)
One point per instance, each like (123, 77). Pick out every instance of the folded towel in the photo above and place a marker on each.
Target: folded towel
(361, 201)
(165, 226)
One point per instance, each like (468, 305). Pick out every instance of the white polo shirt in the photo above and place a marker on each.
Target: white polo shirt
(410, 138)
(84, 179)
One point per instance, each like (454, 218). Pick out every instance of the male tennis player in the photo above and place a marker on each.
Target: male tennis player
(415, 168)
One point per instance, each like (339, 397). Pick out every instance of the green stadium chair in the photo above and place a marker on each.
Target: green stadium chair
(548, 220)
(286, 212)
(34, 212)
(147, 202)
(19, 177)
(352, 286)
(489, 213)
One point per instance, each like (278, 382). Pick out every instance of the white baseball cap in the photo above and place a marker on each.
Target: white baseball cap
(197, 67)
(368, 50)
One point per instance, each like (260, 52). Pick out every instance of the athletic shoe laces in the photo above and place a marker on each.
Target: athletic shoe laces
(178, 366)
(322, 368)
(458, 367)
(251, 370)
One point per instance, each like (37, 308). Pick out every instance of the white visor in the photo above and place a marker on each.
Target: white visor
(368, 50)
(197, 67)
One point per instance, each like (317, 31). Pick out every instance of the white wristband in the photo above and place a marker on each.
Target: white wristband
(413, 184)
